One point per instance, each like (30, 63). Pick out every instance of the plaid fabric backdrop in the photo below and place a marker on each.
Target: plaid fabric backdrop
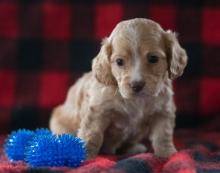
(46, 45)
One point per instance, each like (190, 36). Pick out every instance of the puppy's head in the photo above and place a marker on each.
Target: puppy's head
(138, 57)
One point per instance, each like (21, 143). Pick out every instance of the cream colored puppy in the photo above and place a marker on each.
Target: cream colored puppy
(128, 94)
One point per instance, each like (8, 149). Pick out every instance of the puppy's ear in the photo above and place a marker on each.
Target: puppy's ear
(176, 55)
(101, 65)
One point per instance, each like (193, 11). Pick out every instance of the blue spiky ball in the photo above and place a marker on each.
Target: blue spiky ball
(42, 131)
(15, 144)
(55, 150)
(17, 141)
(42, 148)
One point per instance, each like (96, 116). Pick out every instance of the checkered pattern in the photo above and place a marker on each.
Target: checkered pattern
(46, 45)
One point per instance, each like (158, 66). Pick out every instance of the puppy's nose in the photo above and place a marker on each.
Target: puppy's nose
(137, 86)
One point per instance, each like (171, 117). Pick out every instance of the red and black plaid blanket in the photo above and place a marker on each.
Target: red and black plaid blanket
(45, 45)
(199, 152)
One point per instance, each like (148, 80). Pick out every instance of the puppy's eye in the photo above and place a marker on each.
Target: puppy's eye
(152, 59)
(120, 62)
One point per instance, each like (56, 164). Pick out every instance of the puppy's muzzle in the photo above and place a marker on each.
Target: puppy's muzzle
(137, 86)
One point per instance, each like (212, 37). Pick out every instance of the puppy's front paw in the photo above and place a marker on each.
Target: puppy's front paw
(92, 143)
(165, 152)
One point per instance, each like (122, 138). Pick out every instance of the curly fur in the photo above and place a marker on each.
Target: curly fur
(102, 109)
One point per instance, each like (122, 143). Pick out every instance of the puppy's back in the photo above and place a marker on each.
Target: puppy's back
(66, 118)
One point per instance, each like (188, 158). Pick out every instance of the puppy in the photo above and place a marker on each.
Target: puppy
(128, 94)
